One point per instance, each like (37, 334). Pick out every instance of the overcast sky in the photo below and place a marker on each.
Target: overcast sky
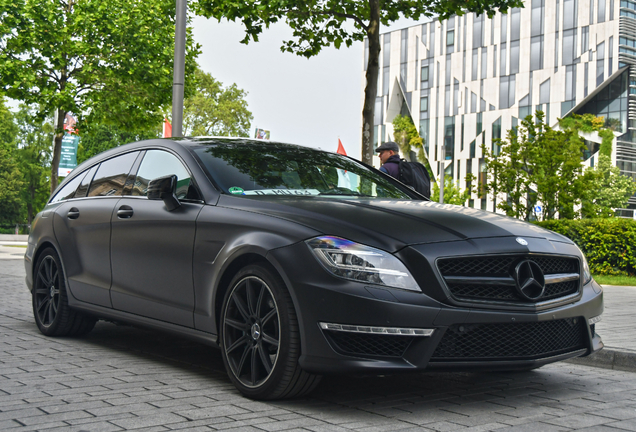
(311, 102)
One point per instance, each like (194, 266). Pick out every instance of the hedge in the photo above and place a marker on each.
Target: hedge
(608, 244)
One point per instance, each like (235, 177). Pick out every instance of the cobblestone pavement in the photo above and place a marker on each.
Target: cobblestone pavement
(123, 378)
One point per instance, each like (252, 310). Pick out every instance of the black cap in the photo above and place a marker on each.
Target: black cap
(389, 145)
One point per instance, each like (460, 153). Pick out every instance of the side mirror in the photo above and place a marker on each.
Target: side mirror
(164, 188)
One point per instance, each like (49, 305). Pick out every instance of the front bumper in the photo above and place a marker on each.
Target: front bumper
(551, 335)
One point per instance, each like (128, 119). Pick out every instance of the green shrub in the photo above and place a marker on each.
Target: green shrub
(608, 244)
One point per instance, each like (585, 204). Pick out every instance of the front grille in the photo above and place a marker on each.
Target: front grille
(369, 344)
(491, 278)
(475, 342)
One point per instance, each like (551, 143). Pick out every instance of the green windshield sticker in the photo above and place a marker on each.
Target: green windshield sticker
(235, 190)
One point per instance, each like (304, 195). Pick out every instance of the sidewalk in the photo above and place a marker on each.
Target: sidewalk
(618, 331)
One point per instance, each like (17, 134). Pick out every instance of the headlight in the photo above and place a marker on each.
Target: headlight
(587, 275)
(360, 263)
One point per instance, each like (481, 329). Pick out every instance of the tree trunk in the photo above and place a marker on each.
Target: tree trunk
(371, 89)
(57, 146)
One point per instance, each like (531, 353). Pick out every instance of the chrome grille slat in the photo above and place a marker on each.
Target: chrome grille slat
(490, 278)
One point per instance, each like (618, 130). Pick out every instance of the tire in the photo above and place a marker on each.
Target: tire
(52, 314)
(259, 337)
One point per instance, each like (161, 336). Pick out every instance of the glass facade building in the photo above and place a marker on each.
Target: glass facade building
(469, 79)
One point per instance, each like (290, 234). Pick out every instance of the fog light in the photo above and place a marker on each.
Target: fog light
(594, 320)
(396, 331)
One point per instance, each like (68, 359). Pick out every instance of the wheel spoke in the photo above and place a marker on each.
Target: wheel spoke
(270, 340)
(242, 326)
(259, 302)
(43, 303)
(51, 312)
(239, 342)
(268, 316)
(254, 364)
(249, 288)
(41, 291)
(265, 360)
(242, 361)
(42, 276)
(49, 269)
(241, 306)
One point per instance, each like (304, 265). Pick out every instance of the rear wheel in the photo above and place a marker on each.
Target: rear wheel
(260, 340)
(50, 301)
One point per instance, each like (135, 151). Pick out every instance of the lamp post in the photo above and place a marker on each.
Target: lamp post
(442, 164)
(179, 67)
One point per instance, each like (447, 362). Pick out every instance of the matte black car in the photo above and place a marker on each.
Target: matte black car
(298, 262)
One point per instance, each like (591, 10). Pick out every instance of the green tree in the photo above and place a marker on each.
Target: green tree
(453, 194)
(320, 23)
(538, 164)
(10, 176)
(215, 110)
(407, 137)
(99, 138)
(33, 156)
(607, 189)
(105, 61)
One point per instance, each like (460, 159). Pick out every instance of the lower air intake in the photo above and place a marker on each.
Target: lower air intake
(368, 344)
(475, 342)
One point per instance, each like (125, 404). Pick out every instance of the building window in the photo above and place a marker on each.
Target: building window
(479, 123)
(515, 24)
(424, 104)
(544, 92)
(484, 62)
(514, 57)
(507, 86)
(601, 11)
(569, 14)
(585, 39)
(538, 8)
(502, 62)
(450, 38)
(473, 102)
(536, 53)
(478, 31)
(569, 47)
(494, 61)
(504, 28)
(424, 74)
(475, 65)
(600, 63)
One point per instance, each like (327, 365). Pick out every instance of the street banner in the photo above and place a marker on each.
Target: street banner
(68, 158)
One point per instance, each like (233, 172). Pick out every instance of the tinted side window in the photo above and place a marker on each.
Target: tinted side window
(159, 163)
(68, 191)
(83, 187)
(111, 175)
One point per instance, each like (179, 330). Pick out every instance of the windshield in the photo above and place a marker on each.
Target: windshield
(253, 169)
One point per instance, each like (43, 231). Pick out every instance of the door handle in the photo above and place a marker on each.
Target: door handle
(125, 212)
(73, 213)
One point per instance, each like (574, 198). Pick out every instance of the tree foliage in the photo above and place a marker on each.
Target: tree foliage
(407, 137)
(537, 164)
(214, 110)
(33, 155)
(105, 61)
(10, 178)
(99, 138)
(453, 194)
(317, 24)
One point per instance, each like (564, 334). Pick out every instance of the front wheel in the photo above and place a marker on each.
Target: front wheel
(260, 340)
(50, 300)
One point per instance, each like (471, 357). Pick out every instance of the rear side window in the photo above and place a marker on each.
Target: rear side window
(159, 163)
(68, 191)
(111, 175)
(83, 187)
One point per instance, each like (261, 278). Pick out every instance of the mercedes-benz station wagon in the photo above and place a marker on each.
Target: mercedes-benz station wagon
(298, 262)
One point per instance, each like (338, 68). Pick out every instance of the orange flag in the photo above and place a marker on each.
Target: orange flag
(167, 129)
(341, 149)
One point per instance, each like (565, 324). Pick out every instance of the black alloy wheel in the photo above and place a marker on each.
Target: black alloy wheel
(50, 302)
(260, 339)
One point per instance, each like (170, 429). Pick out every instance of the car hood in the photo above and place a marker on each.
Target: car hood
(391, 224)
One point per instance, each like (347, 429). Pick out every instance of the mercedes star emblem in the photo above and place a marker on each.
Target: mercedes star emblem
(521, 241)
(529, 280)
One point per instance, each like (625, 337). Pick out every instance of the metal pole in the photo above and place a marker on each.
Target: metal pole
(179, 67)
(442, 162)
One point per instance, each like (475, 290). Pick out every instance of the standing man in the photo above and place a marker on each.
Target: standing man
(389, 154)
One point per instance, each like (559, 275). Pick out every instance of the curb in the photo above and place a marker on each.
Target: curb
(608, 358)
(14, 237)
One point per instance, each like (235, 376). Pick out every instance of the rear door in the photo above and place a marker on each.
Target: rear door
(82, 228)
(152, 248)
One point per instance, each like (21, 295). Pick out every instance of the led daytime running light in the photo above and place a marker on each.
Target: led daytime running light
(397, 331)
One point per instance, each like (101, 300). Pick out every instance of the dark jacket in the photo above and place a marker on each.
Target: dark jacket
(392, 166)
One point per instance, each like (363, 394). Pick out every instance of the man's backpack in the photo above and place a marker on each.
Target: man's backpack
(415, 174)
